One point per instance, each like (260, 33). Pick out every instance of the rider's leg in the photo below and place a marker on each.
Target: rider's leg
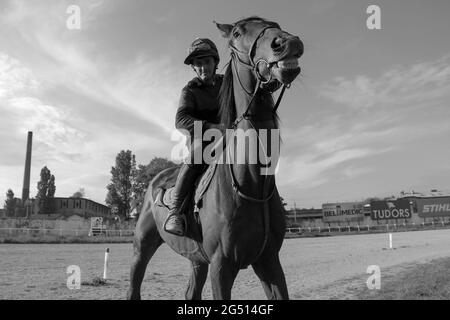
(175, 222)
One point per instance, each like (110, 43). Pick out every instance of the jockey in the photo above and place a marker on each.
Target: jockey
(198, 102)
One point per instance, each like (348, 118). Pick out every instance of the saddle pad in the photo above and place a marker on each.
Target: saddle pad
(203, 184)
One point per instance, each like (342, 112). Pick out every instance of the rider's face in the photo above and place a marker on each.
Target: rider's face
(205, 68)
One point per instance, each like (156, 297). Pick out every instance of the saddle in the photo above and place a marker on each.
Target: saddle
(192, 203)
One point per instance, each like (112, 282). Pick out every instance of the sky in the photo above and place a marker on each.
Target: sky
(368, 116)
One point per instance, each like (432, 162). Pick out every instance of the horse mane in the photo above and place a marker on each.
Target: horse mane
(255, 18)
(227, 105)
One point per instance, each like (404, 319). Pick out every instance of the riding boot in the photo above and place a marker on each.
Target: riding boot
(175, 222)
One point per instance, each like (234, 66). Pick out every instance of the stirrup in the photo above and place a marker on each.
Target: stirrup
(180, 225)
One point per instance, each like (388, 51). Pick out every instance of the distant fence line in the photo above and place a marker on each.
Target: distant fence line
(290, 230)
(361, 228)
(63, 232)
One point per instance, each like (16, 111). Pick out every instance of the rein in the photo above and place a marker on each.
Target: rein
(259, 81)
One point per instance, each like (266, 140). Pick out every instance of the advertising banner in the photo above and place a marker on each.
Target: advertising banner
(390, 209)
(433, 207)
(342, 212)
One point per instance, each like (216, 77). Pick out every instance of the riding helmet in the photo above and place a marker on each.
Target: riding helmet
(202, 47)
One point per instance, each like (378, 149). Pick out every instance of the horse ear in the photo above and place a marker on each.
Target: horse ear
(225, 29)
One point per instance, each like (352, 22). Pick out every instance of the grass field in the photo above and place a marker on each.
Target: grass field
(427, 281)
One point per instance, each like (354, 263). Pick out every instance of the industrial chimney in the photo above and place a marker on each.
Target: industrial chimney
(26, 175)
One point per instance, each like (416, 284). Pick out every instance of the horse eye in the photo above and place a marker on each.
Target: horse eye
(236, 34)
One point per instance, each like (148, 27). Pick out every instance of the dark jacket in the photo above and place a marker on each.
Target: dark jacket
(198, 102)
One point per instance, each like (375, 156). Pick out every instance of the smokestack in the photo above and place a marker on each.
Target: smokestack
(26, 175)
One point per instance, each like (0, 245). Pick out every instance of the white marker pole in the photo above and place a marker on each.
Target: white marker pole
(390, 240)
(105, 268)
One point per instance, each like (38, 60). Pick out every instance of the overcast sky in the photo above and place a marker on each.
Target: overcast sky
(369, 115)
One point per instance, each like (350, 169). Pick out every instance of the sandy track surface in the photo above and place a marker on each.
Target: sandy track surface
(315, 268)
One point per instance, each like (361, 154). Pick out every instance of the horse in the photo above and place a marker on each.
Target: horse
(241, 221)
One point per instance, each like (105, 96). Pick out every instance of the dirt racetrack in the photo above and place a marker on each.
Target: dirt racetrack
(315, 268)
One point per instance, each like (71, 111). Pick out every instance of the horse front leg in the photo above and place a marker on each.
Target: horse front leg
(199, 272)
(270, 273)
(222, 275)
(146, 241)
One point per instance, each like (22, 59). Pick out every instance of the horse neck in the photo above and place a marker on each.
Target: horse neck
(249, 176)
(262, 105)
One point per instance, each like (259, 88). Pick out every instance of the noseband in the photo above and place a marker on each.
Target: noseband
(252, 65)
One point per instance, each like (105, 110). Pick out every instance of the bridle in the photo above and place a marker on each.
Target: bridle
(235, 58)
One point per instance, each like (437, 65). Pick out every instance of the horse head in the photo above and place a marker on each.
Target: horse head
(264, 48)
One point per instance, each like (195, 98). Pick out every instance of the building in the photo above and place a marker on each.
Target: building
(76, 206)
(80, 206)
(303, 216)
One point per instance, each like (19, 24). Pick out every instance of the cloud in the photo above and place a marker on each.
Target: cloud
(421, 82)
(14, 78)
(307, 171)
(352, 172)
(145, 86)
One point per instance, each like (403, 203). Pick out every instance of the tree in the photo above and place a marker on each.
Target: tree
(284, 203)
(46, 191)
(79, 194)
(120, 190)
(19, 208)
(368, 200)
(145, 174)
(10, 203)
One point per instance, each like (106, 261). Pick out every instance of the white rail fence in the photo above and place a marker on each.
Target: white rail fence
(291, 230)
(368, 228)
(63, 232)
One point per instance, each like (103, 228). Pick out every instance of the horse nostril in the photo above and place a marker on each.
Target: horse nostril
(301, 48)
(276, 43)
